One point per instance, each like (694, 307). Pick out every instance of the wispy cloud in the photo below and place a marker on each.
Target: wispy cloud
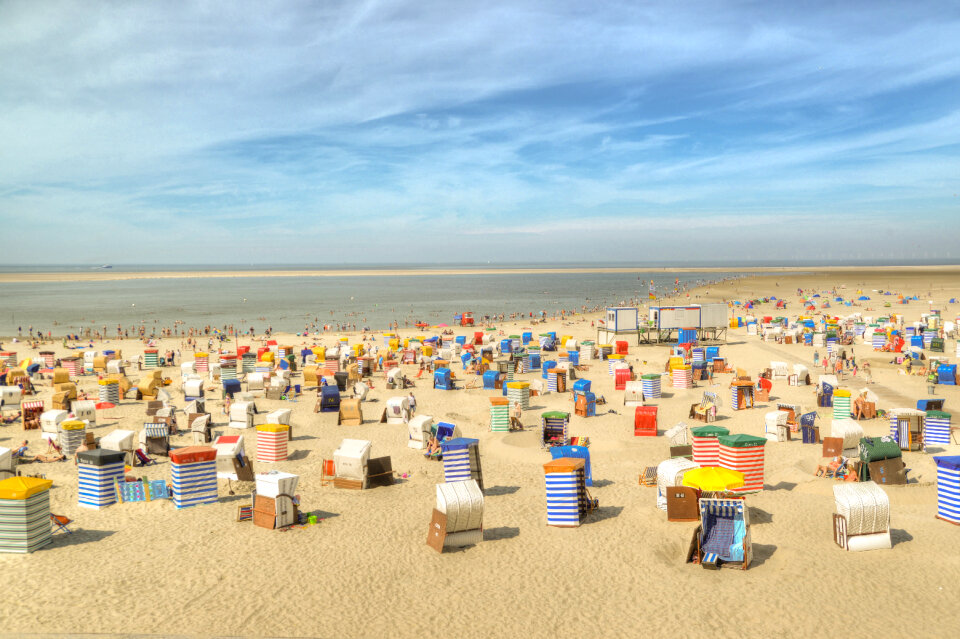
(311, 129)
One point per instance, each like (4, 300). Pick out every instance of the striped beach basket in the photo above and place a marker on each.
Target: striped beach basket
(612, 361)
(202, 362)
(878, 340)
(97, 470)
(24, 514)
(586, 351)
(72, 434)
(706, 444)
(193, 476)
(948, 488)
(228, 366)
(841, 404)
(683, 377)
(551, 380)
(10, 358)
(73, 365)
(151, 358)
(108, 390)
(604, 351)
(48, 358)
(272, 442)
(699, 355)
(936, 428)
(500, 414)
(928, 338)
(553, 428)
(461, 460)
(745, 454)
(650, 384)
(520, 392)
(566, 491)
(249, 362)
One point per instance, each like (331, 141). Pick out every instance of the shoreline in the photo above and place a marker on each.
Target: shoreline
(102, 276)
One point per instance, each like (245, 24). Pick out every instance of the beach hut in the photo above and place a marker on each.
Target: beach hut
(193, 476)
(670, 473)
(442, 379)
(849, 430)
(706, 444)
(724, 536)
(50, 423)
(936, 428)
(193, 389)
(9, 398)
(97, 470)
(650, 383)
(350, 413)
(519, 392)
(329, 399)
(553, 429)
(461, 460)
(151, 358)
(862, 520)
(272, 442)
(775, 426)
(499, 414)
(567, 500)
(841, 403)
(633, 394)
(242, 414)
(645, 421)
(744, 454)
(350, 463)
(73, 432)
(420, 430)
(575, 452)
(948, 488)
(396, 411)
(906, 427)
(458, 517)
(73, 365)
(275, 502)
(585, 404)
(24, 514)
(741, 394)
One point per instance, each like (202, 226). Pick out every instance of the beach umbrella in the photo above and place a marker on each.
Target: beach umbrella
(443, 326)
(713, 478)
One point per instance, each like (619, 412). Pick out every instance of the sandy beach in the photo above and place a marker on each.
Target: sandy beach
(365, 571)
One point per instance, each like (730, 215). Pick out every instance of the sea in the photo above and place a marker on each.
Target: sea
(292, 304)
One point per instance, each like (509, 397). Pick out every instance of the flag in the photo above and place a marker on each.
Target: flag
(652, 296)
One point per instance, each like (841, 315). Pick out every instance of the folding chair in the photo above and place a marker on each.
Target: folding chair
(328, 472)
(61, 522)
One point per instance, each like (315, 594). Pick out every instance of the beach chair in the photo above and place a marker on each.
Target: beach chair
(649, 476)
(725, 534)
(61, 523)
(142, 458)
(706, 410)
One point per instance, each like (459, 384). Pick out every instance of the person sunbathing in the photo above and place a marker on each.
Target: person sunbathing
(10, 420)
(433, 448)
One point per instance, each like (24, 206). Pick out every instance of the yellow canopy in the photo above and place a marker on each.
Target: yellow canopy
(713, 478)
(21, 488)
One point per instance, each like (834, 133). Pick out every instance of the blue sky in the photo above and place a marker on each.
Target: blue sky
(437, 131)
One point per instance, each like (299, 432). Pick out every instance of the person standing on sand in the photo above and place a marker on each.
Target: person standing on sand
(413, 404)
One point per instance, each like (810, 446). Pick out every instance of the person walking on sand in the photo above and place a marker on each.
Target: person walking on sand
(413, 404)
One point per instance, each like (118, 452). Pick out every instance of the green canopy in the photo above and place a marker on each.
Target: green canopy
(742, 441)
(709, 431)
(556, 414)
